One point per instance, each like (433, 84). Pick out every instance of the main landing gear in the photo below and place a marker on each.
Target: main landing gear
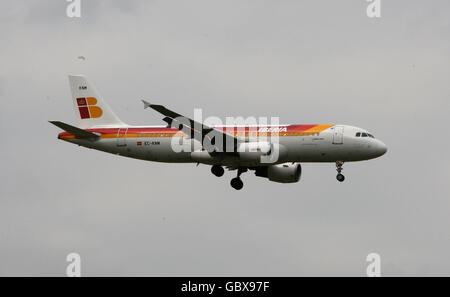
(340, 177)
(236, 182)
(217, 170)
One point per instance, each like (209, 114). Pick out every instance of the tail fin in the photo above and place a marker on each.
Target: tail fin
(90, 108)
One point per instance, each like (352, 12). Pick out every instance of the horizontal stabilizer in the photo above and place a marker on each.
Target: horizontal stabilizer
(77, 132)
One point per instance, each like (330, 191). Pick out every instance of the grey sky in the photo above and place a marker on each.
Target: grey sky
(304, 61)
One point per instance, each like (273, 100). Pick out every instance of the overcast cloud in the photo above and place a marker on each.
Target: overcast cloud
(304, 61)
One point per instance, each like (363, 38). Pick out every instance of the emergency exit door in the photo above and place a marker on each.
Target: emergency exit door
(338, 135)
(122, 137)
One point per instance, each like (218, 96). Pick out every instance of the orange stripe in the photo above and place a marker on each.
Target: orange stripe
(318, 128)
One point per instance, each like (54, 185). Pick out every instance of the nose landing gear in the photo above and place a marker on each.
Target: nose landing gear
(340, 177)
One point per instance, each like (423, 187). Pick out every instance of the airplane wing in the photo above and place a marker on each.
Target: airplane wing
(195, 129)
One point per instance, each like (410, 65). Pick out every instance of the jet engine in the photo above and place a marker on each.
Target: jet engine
(281, 173)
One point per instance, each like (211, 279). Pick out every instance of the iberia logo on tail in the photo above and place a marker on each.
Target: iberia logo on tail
(88, 108)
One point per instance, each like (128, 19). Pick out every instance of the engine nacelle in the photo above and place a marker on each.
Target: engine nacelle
(281, 173)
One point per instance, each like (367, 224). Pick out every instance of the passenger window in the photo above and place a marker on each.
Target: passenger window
(364, 135)
(358, 134)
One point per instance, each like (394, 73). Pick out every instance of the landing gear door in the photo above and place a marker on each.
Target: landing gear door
(122, 137)
(338, 135)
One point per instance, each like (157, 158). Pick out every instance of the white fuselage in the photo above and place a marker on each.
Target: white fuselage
(332, 143)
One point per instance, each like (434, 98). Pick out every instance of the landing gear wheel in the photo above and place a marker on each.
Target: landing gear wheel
(339, 169)
(237, 183)
(217, 170)
(340, 177)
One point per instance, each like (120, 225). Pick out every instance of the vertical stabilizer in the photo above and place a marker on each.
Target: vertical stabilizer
(90, 108)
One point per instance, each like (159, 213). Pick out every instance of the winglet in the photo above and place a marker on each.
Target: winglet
(146, 104)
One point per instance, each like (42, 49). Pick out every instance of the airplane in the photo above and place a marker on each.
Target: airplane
(247, 147)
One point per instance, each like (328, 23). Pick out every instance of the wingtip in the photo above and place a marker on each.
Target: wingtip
(146, 104)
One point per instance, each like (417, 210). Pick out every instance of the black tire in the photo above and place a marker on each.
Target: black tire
(237, 183)
(217, 170)
(340, 177)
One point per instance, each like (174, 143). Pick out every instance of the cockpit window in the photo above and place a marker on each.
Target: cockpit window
(363, 134)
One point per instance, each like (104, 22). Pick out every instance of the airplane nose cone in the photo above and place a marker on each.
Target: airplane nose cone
(381, 148)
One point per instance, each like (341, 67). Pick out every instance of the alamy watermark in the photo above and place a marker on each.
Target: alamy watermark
(374, 267)
(73, 9)
(74, 267)
(374, 9)
(251, 135)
